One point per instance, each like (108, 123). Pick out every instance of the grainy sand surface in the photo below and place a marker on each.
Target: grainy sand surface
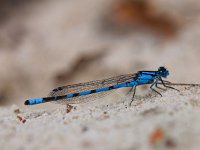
(153, 122)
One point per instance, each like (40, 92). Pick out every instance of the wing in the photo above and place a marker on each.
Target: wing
(92, 85)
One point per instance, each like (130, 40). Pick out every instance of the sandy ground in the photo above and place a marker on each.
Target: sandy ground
(152, 122)
(45, 44)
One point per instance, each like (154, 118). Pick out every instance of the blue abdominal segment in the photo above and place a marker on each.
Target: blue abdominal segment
(34, 101)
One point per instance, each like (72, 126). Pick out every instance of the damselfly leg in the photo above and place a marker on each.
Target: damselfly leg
(163, 83)
(154, 84)
(133, 89)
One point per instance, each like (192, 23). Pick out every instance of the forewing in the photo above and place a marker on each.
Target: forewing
(92, 85)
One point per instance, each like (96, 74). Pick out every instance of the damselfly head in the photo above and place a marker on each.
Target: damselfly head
(163, 72)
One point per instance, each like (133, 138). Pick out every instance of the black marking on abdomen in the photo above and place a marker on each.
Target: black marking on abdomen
(49, 99)
(111, 87)
(93, 91)
(75, 94)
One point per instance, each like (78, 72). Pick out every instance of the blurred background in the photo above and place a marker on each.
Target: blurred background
(48, 43)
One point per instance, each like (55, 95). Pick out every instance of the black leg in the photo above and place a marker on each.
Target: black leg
(168, 86)
(165, 81)
(132, 89)
(159, 87)
(154, 89)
